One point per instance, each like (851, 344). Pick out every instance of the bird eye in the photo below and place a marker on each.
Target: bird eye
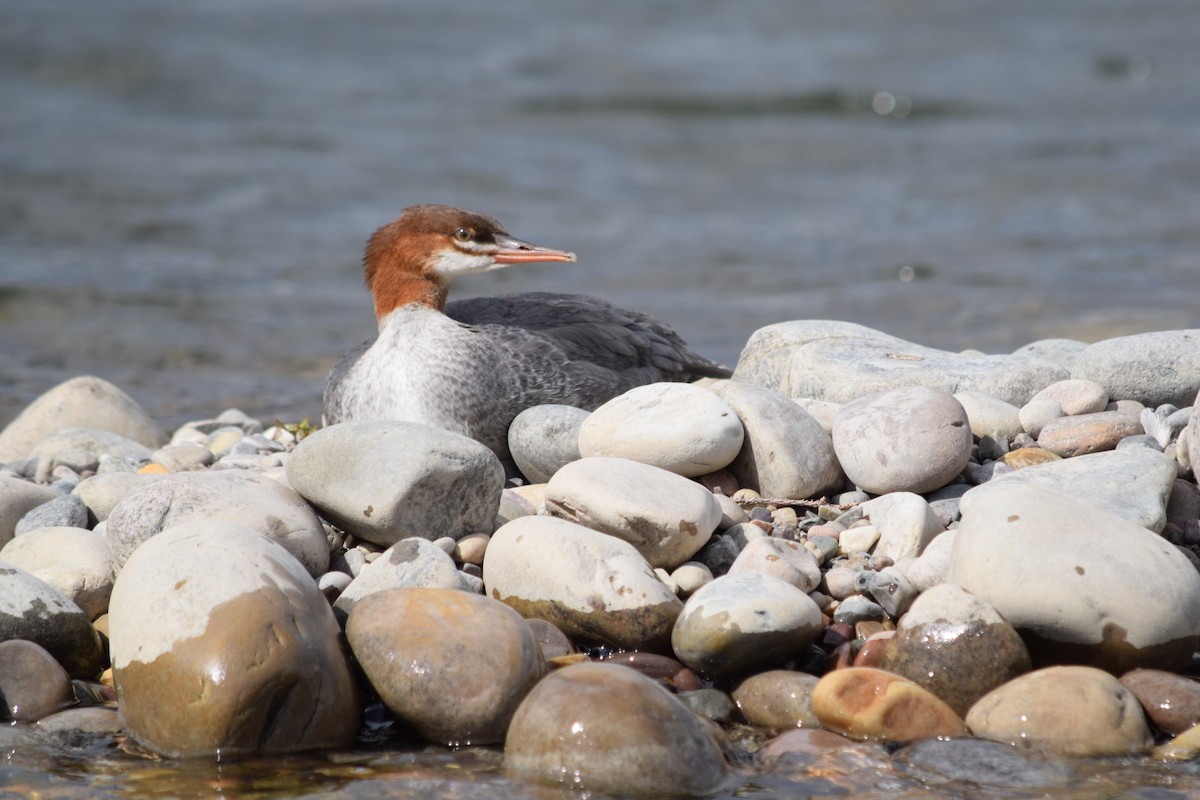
(462, 235)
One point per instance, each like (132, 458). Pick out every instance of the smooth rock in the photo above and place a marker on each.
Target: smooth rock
(667, 517)
(1131, 483)
(990, 416)
(690, 576)
(241, 654)
(1024, 457)
(471, 549)
(413, 563)
(905, 522)
(956, 646)
(602, 728)
(809, 749)
(1063, 352)
(741, 623)
(1109, 592)
(1087, 433)
(543, 439)
(932, 566)
(596, 588)
(840, 361)
(778, 698)
(786, 452)
(1153, 368)
(87, 400)
(1075, 396)
(77, 723)
(65, 511)
(1037, 414)
(387, 481)
(871, 704)
(32, 683)
(455, 670)
(905, 440)
(857, 539)
(1171, 701)
(103, 492)
(784, 559)
(893, 591)
(32, 610)
(85, 448)
(240, 498)
(984, 764)
(74, 561)
(679, 427)
(1070, 711)
(17, 498)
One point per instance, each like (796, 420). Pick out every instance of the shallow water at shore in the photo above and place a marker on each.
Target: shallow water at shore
(185, 192)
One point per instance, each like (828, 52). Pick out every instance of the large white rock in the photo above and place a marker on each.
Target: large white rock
(667, 517)
(1081, 585)
(787, 453)
(1153, 368)
(1133, 482)
(386, 481)
(238, 497)
(679, 427)
(594, 587)
(840, 361)
(904, 440)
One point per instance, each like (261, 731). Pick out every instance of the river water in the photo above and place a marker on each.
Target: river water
(185, 188)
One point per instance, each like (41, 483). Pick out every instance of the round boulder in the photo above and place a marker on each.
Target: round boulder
(31, 609)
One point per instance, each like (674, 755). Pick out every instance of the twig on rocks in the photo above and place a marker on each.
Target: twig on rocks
(786, 501)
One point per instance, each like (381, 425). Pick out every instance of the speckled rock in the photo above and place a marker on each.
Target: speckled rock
(241, 654)
(786, 452)
(545, 438)
(596, 588)
(17, 498)
(1072, 711)
(1109, 592)
(32, 684)
(1087, 433)
(667, 517)
(1171, 701)
(64, 511)
(785, 559)
(409, 563)
(840, 361)
(741, 623)
(1133, 483)
(679, 427)
(1153, 368)
(86, 400)
(778, 698)
(606, 729)
(387, 481)
(867, 703)
(32, 610)
(956, 646)
(74, 561)
(455, 670)
(990, 416)
(905, 440)
(239, 497)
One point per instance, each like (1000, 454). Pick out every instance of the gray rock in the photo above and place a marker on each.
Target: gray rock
(1063, 352)
(1134, 483)
(594, 587)
(67, 511)
(30, 609)
(1153, 368)
(237, 497)
(904, 440)
(786, 452)
(1081, 584)
(413, 563)
(86, 448)
(893, 591)
(667, 517)
(679, 427)
(387, 481)
(856, 609)
(72, 560)
(841, 361)
(543, 439)
(17, 498)
(84, 401)
(103, 492)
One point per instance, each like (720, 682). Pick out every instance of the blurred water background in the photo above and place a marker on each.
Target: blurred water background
(185, 188)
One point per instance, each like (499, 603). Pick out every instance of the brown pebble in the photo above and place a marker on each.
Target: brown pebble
(872, 652)
(1087, 433)
(32, 683)
(865, 703)
(1171, 701)
(686, 680)
(651, 665)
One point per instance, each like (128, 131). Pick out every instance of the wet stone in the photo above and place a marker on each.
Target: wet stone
(983, 763)
(30, 609)
(32, 683)
(866, 703)
(1171, 701)
(777, 699)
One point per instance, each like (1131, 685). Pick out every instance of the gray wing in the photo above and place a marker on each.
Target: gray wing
(583, 332)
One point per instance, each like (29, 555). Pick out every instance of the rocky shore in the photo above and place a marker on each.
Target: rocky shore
(856, 542)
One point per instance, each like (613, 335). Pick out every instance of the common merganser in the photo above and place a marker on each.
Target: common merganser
(471, 366)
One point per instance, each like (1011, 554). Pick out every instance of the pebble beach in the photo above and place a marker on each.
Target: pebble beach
(861, 565)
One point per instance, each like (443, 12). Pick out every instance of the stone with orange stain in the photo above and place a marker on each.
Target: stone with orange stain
(871, 704)
(1029, 457)
(1087, 433)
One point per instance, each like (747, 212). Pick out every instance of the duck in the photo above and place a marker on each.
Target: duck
(471, 366)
